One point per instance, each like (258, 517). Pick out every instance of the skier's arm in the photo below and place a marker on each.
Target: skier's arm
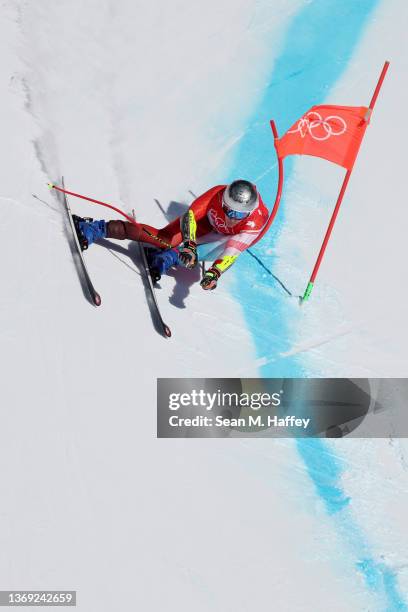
(234, 247)
(188, 250)
(196, 212)
(188, 225)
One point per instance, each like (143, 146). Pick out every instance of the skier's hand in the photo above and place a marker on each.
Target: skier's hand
(188, 254)
(210, 279)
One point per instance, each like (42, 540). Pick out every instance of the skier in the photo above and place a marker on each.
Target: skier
(235, 211)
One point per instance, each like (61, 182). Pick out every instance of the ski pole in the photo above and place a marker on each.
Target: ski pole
(78, 195)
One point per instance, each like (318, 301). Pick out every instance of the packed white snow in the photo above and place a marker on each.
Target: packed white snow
(132, 103)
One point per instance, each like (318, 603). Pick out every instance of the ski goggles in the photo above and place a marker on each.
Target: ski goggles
(234, 214)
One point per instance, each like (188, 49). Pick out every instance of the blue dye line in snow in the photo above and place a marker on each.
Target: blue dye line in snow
(317, 47)
(325, 471)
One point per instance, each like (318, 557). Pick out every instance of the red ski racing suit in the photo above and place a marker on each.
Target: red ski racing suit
(204, 221)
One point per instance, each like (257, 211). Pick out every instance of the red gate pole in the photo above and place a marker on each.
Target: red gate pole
(278, 192)
(310, 284)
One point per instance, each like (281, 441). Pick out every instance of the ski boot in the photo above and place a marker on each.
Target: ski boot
(88, 230)
(160, 261)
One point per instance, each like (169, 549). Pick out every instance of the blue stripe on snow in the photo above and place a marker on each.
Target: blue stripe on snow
(325, 471)
(318, 45)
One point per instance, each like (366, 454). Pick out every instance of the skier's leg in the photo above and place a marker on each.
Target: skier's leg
(167, 237)
(88, 230)
(161, 261)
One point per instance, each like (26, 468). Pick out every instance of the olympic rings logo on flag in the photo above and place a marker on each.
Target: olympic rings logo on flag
(332, 125)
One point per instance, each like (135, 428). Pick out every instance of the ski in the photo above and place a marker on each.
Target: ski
(94, 295)
(165, 329)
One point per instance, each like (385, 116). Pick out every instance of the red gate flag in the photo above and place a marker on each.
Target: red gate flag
(332, 132)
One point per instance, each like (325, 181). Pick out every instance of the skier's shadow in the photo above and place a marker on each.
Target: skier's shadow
(174, 209)
(184, 280)
(117, 249)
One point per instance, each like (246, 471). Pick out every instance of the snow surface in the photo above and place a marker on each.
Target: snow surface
(135, 102)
